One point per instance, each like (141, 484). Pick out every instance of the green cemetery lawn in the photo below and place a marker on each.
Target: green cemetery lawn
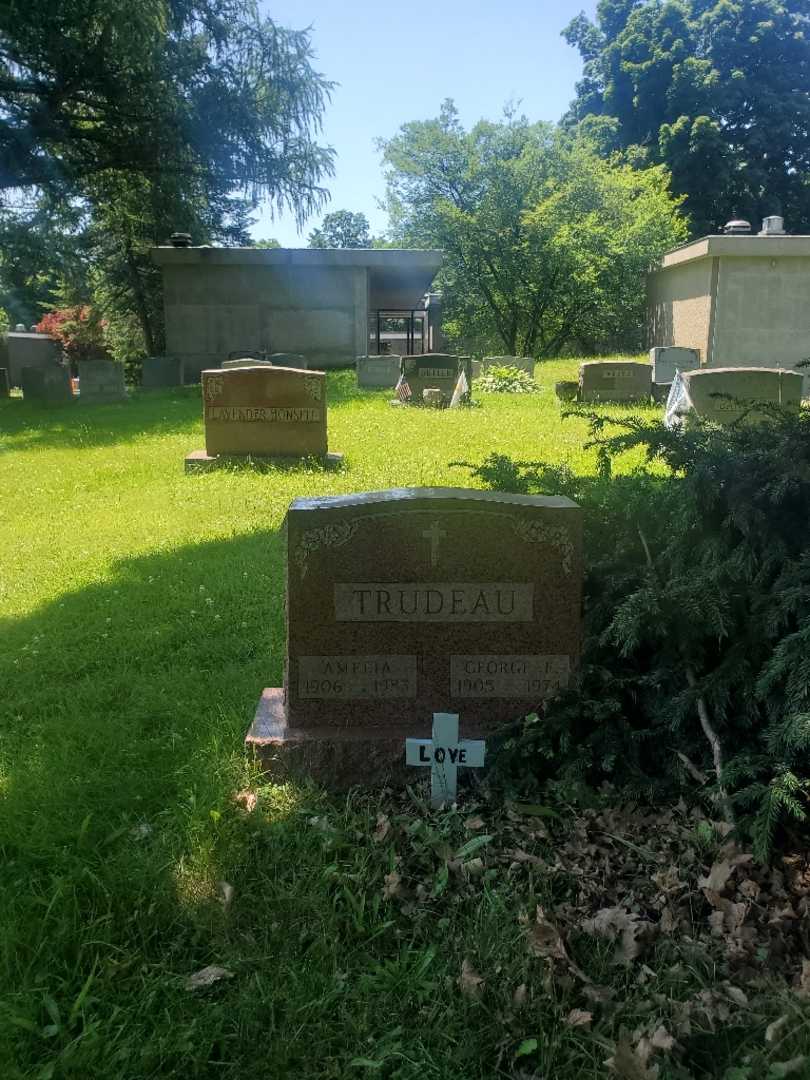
(141, 613)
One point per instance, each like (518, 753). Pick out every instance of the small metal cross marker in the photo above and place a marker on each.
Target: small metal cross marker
(444, 753)
(434, 534)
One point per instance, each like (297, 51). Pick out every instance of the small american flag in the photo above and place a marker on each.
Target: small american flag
(403, 391)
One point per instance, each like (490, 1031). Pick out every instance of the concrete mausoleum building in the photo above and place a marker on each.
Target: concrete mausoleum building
(740, 300)
(331, 305)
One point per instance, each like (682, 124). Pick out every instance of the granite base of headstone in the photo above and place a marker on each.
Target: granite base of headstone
(263, 414)
(404, 603)
(5, 384)
(161, 372)
(731, 395)
(47, 386)
(101, 382)
(615, 381)
(378, 372)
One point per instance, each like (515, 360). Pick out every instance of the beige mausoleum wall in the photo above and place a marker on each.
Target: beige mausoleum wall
(214, 309)
(679, 306)
(762, 315)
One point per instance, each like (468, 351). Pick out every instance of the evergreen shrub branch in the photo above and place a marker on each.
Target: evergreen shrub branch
(710, 622)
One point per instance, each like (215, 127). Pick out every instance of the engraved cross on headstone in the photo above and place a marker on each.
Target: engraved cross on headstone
(444, 753)
(435, 535)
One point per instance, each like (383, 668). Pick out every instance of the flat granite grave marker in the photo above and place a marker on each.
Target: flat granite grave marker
(407, 602)
(262, 412)
(615, 380)
(726, 395)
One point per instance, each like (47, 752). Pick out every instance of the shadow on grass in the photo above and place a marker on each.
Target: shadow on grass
(75, 425)
(129, 695)
(25, 426)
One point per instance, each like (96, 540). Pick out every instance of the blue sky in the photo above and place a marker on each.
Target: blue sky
(397, 62)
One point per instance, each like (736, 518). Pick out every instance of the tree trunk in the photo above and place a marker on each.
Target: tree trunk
(140, 300)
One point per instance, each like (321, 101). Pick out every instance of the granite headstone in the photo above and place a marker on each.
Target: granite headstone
(47, 385)
(101, 381)
(381, 371)
(411, 601)
(262, 412)
(615, 380)
(161, 372)
(726, 395)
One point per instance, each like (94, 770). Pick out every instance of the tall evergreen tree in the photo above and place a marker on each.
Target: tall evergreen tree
(155, 116)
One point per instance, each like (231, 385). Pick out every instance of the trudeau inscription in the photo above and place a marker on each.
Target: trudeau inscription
(472, 602)
(342, 678)
(490, 676)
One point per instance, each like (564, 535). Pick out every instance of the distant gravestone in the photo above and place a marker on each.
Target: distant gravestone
(727, 395)
(26, 350)
(614, 380)
(667, 360)
(288, 360)
(5, 386)
(245, 362)
(161, 372)
(524, 363)
(47, 386)
(101, 381)
(381, 371)
(262, 412)
(20, 328)
(432, 371)
(394, 613)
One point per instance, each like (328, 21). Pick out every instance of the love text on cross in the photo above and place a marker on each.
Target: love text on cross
(444, 753)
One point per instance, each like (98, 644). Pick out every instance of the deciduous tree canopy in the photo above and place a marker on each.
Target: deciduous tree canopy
(546, 243)
(717, 91)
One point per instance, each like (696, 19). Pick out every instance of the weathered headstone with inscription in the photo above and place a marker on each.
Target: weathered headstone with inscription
(730, 395)
(262, 412)
(433, 371)
(614, 380)
(412, 601)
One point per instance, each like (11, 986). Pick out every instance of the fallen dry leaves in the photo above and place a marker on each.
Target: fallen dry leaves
(207, 976)
(470, 982)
